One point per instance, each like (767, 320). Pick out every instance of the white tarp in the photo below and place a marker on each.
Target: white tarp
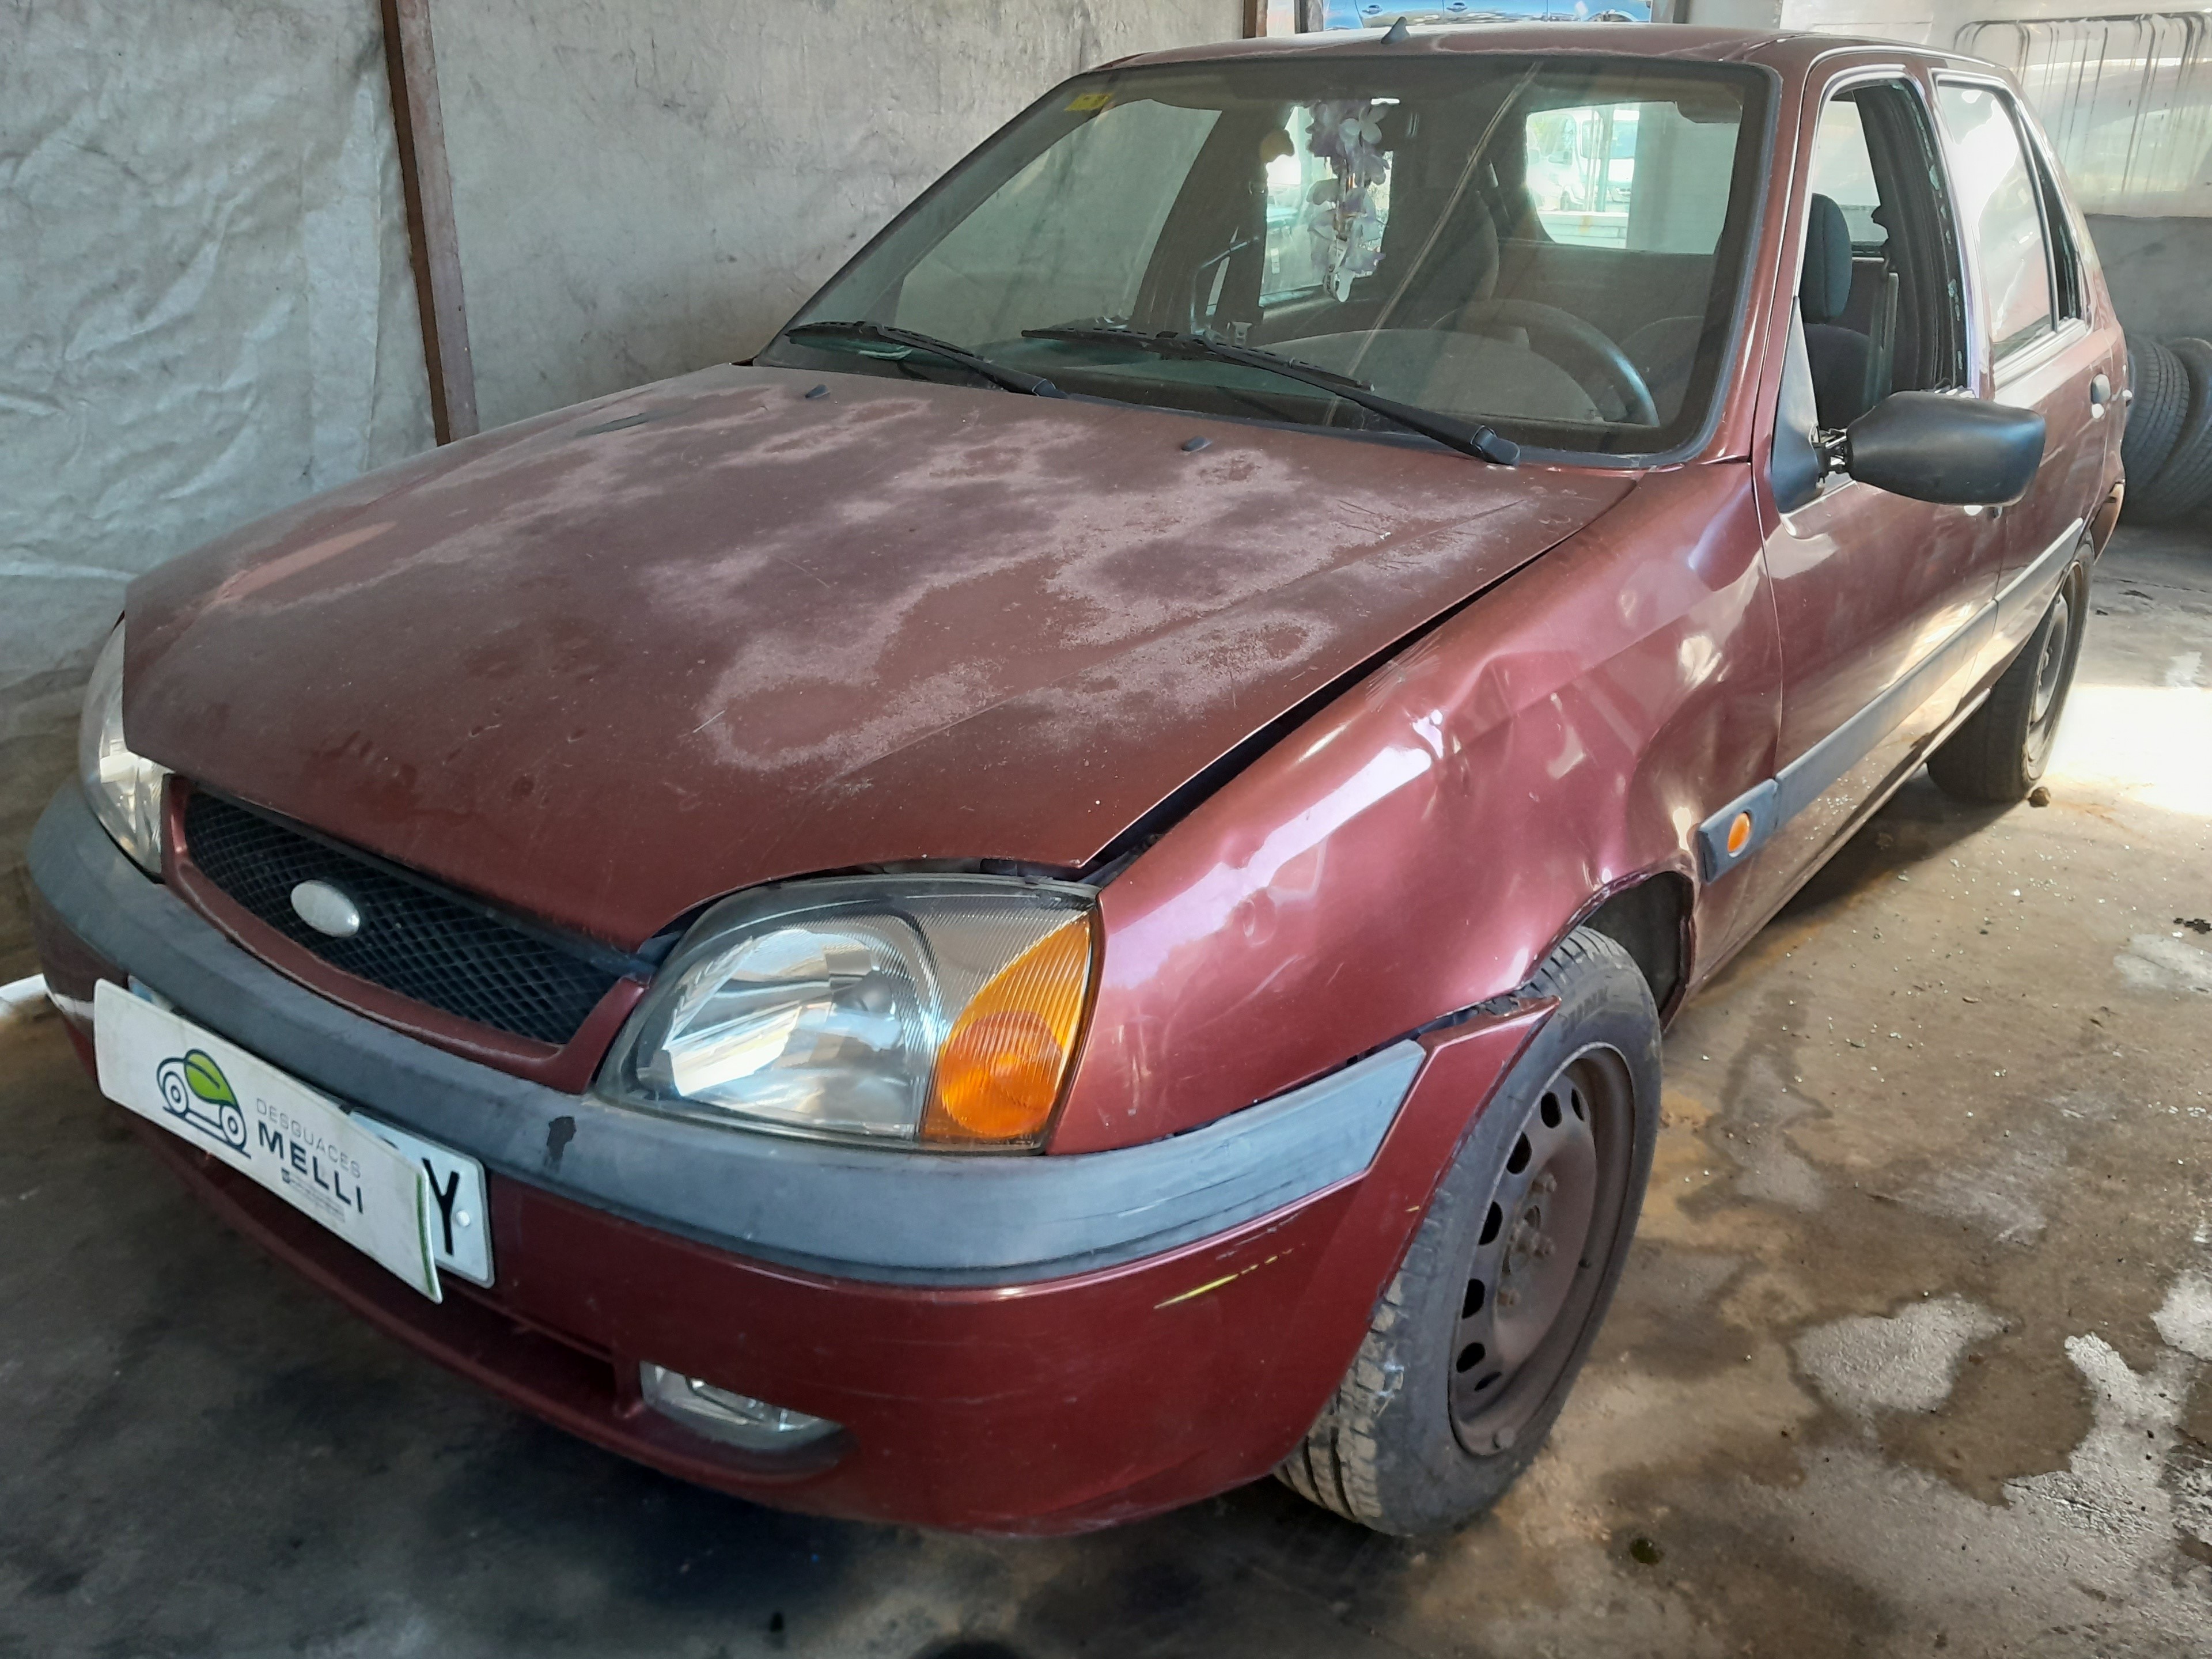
(644, 187)
(204, 279)
(209, 312)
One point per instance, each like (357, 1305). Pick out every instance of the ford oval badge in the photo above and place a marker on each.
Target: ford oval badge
(326, 909)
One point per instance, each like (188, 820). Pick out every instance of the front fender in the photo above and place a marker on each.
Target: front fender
(1419, 844)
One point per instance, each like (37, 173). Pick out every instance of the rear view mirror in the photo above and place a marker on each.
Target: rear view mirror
(1939, 447)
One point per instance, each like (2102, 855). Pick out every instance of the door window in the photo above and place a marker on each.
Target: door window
(1842, 171)
(2065, 255)
(2001, 214)
(1879, 292)
(1879, 298)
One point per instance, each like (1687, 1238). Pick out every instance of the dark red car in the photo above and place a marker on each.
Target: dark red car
(1062, 891)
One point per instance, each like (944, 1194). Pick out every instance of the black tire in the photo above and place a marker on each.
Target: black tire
(1999, 754)
(2162, 404)
(1409, 1443)
(2185, 479)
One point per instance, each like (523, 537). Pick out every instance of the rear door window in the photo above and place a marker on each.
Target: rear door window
(2000, 212)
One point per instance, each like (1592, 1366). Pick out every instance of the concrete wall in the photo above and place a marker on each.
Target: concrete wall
(2160, 271)
(205, 311)
(643, 187)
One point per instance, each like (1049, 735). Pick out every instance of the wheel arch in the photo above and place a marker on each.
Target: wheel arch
(1649, 916)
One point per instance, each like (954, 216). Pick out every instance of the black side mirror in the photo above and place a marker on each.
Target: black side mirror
(1939, 447)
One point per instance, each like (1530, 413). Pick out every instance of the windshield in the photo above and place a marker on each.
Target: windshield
(1547, 246)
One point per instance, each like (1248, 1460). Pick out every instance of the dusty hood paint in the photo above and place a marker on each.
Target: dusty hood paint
(609, 663)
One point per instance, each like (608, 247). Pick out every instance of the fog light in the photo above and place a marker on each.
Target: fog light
(736, 1419)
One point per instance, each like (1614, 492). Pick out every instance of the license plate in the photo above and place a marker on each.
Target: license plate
(333, 1166)
(460, 1219)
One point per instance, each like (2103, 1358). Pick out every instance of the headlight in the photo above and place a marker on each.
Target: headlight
(125, 789)
(938, 1009)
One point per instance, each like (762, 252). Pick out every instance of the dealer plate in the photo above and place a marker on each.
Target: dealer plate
(460, 1216)
(325, 1162)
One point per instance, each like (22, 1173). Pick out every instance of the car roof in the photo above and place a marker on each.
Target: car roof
(1787, 52)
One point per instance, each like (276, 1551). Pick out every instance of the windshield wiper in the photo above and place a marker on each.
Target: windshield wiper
(1013, 379)
(1469, 437)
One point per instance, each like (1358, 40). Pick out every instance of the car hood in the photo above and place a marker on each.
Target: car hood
(606, 664)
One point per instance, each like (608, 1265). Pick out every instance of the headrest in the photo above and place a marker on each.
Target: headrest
(1461, 269)
(1826, 288)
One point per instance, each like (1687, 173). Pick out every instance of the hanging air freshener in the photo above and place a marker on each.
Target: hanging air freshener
(1348, 221)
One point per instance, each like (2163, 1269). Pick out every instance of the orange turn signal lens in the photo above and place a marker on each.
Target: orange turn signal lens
(1000, 1072)
(1739, 833)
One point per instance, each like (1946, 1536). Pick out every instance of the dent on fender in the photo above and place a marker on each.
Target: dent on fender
(1290, 922)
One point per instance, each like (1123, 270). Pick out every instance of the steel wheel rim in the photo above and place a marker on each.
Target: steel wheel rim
(2051, 666)
(1541, 1245)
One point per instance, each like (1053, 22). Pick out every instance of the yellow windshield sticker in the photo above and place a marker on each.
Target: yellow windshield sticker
(1090, 100)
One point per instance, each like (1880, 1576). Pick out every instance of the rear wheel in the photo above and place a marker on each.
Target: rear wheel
(1998, 755)
(1476, 1343)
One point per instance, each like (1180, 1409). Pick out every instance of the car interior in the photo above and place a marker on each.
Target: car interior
(1467, 313)
(1553, 249)
(1556, 248)
(1879, 292)
(1560, 290)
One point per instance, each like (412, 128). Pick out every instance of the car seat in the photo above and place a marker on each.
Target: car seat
(1842, 358)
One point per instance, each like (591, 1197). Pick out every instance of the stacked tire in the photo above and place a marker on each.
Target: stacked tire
(2167, 448)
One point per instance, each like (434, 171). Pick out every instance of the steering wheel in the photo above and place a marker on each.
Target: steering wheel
(1566, 340)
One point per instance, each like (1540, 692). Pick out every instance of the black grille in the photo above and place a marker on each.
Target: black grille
(413, 939)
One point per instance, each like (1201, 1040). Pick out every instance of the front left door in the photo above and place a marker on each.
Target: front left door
(1883, 603)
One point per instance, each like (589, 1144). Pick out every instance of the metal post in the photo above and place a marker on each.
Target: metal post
(428, 190)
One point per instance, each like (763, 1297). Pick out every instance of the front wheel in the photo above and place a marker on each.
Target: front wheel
(1476, 1343)
(1997, 756)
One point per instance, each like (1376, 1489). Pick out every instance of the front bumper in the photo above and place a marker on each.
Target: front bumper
(1032, 1344)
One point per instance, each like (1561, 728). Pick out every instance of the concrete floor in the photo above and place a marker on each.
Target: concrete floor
(1915, 1353)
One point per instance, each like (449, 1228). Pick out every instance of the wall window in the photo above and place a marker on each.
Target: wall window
(1581, 176)
(2001, 213)
(1381, 13)
(2127, 102)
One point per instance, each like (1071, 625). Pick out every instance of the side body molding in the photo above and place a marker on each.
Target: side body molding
(1773, 802)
